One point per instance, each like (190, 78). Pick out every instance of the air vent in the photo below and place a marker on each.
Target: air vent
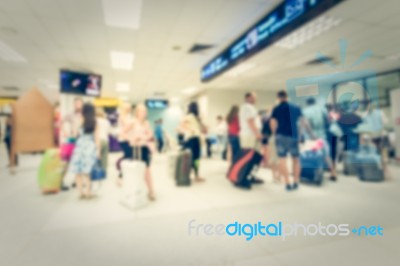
(198, 48)
(321, 60)
(10, 88)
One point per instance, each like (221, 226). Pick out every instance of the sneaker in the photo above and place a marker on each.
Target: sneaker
(295, 186)
(288, 187)
(244, 185)
(333, 178)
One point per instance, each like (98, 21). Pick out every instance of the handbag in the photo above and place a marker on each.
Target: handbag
(98, 173)
(335, 130)
(66, 151)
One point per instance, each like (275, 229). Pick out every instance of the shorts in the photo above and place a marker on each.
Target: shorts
(285, 145)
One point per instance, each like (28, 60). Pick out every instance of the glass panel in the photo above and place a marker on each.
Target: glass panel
(385, 83)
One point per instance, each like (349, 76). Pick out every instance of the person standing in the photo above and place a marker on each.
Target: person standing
(8, 139)
(104, 129)
(70, 130)
(250, 127)
(159, 134)
(284, 120)
(141, 138)
(86, 152)
(317, 118)
(193, 128)
(250, 124)
(124, 126)
(233, 131)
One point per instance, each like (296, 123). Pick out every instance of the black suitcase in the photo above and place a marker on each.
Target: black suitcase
(242, 166)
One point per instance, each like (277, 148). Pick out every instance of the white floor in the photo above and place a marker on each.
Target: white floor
(61, 230)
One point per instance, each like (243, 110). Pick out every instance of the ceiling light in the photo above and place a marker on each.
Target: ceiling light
(189, 90)
(121, 60)
(123, 87)
(308, 32)
(10, 55)
(122, 13)
(240, 69)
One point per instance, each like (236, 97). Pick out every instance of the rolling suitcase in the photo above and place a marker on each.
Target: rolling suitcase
(50, 171)
(134, 189)
(243, 165)
(312, 167)
(183, 167)
(349, 163)
(369, 167)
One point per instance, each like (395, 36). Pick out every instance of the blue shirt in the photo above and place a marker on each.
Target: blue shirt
(287, 115)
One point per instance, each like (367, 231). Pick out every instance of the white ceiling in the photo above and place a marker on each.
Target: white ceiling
(54, 34)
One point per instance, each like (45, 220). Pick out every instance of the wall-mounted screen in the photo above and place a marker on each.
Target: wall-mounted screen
(285, 18)
(80, 83)
(157, 103)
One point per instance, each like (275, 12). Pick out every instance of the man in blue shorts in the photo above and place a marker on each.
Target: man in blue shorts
(284, 123)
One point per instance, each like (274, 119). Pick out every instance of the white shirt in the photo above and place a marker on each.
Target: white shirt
(103, 128)
(248, 111)
(221, 129)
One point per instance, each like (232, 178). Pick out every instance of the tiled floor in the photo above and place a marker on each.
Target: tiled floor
(61, 230)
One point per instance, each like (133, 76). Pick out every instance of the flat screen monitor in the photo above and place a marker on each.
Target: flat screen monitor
(157, 103)
(88, 84)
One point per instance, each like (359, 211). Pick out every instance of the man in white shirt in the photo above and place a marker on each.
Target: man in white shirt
(250, 124)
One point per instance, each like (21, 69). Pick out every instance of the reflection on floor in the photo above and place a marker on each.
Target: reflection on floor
(61, 230)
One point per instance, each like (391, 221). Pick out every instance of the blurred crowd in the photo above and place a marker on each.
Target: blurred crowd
(274, 133)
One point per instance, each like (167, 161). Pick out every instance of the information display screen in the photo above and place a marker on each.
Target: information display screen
(285, 18)
(80, 83)
(157, 104)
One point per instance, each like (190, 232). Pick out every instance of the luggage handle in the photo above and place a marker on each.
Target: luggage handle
(138, 152)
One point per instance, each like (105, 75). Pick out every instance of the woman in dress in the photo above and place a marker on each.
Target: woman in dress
(86, 152)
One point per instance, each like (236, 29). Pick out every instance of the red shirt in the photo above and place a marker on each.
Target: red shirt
(234, 127)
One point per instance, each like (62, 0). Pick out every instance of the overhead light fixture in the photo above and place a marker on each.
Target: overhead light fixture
(240, 69)
(10, 55)
(123, 87)
(122, 13)
(308, 32)
(121, 60)
(189, 90)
